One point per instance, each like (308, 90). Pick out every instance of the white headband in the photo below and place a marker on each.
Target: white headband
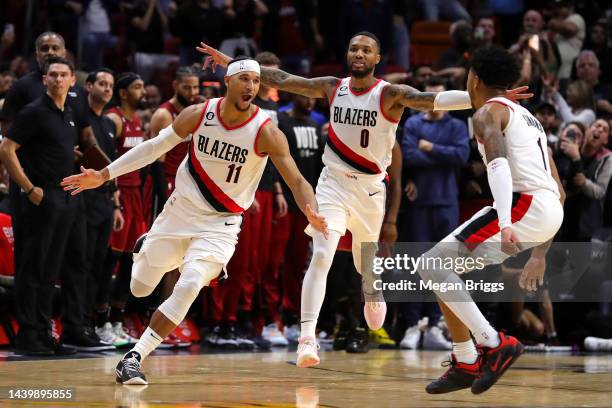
(242, 66)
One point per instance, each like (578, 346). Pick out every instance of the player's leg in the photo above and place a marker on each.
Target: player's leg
(195, 275)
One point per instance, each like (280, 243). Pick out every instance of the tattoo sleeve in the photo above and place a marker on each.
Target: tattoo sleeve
(410, 97)
(488, 127)
(314, 87)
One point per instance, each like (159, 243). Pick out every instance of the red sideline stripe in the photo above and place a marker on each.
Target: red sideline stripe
(351, 155)
(518, 212)
(382, 94)
(214, 189)
(257, 138)
(501, 103)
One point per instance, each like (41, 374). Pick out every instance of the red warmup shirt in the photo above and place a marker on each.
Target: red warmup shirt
(7, 267)
(131, 136)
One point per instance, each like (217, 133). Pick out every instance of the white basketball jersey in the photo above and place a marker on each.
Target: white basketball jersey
(526, 150)
(222, 166)
(361, 137)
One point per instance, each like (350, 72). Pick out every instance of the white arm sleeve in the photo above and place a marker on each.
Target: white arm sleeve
(145, 153)
(500, 181)
(452, 100)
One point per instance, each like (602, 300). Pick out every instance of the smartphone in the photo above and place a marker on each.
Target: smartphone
(571, 135)
(534, 42)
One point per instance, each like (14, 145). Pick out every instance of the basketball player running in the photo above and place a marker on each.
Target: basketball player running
(527, 213)
(198, 228)
(364, 113)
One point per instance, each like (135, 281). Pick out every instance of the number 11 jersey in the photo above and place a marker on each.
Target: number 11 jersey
(361, 136)
(223, 167)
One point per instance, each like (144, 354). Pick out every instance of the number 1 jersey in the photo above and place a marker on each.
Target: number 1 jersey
(222, 168)
(361, 137)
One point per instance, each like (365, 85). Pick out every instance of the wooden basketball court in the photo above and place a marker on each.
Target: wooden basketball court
(381, 378)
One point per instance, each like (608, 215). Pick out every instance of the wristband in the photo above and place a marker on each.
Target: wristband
(118, 207)
(30, 192)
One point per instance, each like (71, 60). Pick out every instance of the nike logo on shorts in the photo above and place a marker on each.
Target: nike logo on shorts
(228, 223)
(374, 193)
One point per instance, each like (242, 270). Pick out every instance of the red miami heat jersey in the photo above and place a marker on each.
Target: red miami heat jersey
(175, 156)
(361, 137)
(132, 135)
(526, 150)
(222, 164)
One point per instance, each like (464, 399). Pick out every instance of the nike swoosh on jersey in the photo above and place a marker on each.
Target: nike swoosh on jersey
(374, 193)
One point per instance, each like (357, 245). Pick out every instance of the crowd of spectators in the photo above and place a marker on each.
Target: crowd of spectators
(130, 57)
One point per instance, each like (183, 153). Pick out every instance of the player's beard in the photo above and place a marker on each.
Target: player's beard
(184, 102)
(362, 74)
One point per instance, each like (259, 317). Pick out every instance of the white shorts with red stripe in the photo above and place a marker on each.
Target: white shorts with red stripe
(536, 218)
(183, 233)
(352, 201)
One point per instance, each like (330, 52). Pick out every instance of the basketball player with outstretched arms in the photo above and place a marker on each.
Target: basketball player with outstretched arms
(198, 229)
(364, 113)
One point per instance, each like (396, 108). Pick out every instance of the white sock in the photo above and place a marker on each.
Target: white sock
(465, 352)
(147, 343)
(486, 336)
(315, 280)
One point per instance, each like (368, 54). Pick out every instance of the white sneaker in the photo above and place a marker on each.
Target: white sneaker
(411, 338)
(434, 339)
(107, 335)
(597, 344)
(274, 336)
(122, 334)
(308, 353)
(292, 333)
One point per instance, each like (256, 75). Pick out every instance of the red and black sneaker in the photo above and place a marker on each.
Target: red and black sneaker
(457, 377)
(495, 362)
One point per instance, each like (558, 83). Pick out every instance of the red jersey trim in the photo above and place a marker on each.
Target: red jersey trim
(382, 110)
(237, 126)
(257, 138)
(201, 117)
(331, 100)
(210, 187)
(364, 91)
(349, 156)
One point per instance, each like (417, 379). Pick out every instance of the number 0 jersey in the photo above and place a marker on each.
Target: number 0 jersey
(222, 165)
(361, 137)
(526, 150)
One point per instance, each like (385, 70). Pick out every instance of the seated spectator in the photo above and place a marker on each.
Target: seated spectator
(579, 104)
(589, 70)
(458, 54)
(6, 80)
(547, 116)
(598, 41)
(484, 32)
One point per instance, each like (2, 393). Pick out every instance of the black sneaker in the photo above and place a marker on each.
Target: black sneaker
(457, 377)
(340, 339)
(222, 337)
(358, 341)
(495, 362)
(58, 347)
(128, 371)
(32, 346)
(83, 341)
(91, 333)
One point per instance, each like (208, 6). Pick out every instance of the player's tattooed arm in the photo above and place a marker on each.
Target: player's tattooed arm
(320, 87)
(273, 142)
(489, 122)
(405, 96)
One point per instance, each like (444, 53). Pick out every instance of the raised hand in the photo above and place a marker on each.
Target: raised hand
(317, 221)
(517, 94)
(215, 57)
(86, 180)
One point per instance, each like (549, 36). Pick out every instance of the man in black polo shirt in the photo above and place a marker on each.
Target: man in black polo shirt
(38, 151)
(21, 93)
(102, 206)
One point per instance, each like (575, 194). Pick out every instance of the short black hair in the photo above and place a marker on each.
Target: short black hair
(367, 34)
(58, 60)
(437, 81)
(92, 77)
(495, 67)
(267, 58)
(184, 72)
(49, 34)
